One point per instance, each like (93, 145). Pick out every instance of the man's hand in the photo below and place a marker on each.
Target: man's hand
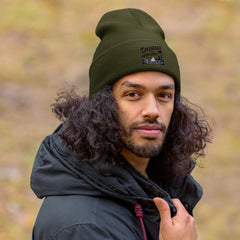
(180, 227)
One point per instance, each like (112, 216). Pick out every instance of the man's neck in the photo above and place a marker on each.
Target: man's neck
(138, 162)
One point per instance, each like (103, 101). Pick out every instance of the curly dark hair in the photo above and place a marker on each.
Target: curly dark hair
(91, 127)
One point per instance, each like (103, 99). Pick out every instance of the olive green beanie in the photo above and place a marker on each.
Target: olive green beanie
(131, 41)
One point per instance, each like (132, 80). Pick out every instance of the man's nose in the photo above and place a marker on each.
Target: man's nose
(150, 108)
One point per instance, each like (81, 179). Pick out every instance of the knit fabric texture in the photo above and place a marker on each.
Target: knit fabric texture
(130, 41)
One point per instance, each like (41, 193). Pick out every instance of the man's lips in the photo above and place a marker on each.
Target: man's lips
(149, 127)
(149, 130)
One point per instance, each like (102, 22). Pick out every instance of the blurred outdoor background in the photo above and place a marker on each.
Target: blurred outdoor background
(47, 45)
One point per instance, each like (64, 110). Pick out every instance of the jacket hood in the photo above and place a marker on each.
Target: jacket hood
(57, 172)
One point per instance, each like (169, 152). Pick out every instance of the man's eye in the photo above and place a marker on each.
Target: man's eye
(133, 94)
(165, 96)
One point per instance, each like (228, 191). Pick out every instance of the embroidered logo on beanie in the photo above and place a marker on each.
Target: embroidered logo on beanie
(152, 55)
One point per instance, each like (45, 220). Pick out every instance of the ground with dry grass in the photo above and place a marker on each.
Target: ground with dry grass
(47, 45)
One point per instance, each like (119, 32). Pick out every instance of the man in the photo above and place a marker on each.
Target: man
(121, 159)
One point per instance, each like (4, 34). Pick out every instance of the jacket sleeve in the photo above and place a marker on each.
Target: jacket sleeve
(82, 232)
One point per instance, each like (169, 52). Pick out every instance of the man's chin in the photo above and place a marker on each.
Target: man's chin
(147, 150)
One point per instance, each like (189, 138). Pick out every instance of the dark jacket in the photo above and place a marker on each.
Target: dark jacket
(82, 204)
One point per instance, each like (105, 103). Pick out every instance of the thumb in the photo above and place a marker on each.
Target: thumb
(164, 211)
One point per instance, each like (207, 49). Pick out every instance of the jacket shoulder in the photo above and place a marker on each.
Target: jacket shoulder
(62, 212)
(84, 217)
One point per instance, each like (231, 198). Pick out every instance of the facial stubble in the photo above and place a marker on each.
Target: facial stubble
(148, 149)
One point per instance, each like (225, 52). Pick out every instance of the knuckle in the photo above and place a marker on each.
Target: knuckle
(176, 200)
(191, 220)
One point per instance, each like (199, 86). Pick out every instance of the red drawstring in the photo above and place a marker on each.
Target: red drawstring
(139, 214)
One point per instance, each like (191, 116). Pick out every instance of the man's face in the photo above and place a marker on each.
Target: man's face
(146, 102)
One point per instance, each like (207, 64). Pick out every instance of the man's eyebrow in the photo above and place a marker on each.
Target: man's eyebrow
(166, 87)
(135, 85)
